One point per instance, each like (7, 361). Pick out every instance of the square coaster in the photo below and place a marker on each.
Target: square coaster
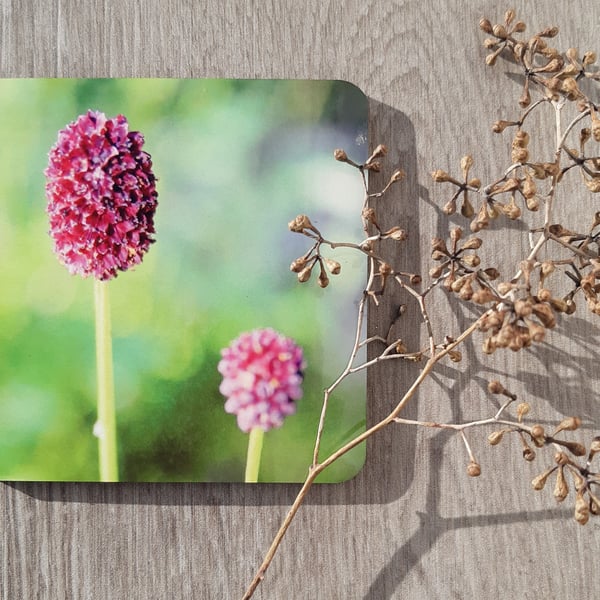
(129, 261)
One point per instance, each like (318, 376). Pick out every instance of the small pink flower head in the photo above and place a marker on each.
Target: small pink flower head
(262, 377)
(101, 196)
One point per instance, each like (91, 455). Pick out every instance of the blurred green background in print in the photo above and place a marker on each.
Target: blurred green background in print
(235, 161)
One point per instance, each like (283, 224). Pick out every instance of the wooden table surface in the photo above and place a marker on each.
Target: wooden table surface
(412, 524)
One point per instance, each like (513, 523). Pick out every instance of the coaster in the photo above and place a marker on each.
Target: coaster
(150, 326)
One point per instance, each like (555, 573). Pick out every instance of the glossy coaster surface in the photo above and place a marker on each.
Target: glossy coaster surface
(149, 320)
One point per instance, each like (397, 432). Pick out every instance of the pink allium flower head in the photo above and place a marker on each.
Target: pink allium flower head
(262, 377)
(101, 196)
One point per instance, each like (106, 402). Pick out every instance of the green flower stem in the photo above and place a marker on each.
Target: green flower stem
(107, 430)
(255, 444)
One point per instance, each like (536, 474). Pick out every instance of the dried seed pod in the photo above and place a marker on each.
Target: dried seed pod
(523, 409)
(450, 207)
(473, 243)
(578, 480)
(584, 136)
(483, 296)
(595, 126)
(455, 355)
(572, 54)
(436, 272)
(466, 209)
(379, 152)
(525, 98)
(509, 16)
(544, 294)
(528, 454)
(440, 245)
(473, 469)
(340, 155)
(466, 291)
(374, 166)
(304, 275)
(495, 209)
(499, 31)
(560, 458)
(333, 265)
(300, 223)
(571, 307)
(593, 184)
(491, 273)
(449, 279)
(521, 139)
(488, 346)
(549, 32)
(532, 203)
(298, 264)
(440, 176)
(561, 489)
(544, 313)
(456, 234)
(528, 189)
(538, 435)
(539, 482)
(500, 126)
(511, 210)
(481, 221)
(466, 162)
(385, 269)
(401, 347)
(471, 260)
(574, 448)
(571, 89)
(519, 341)
(547, 267)
(495, 387)
(398, 234)
(398, 175)
(568, 424)
(523, 307)
(589, 58)
(486, 26)
(496, 437)
(323, 280)
(595, 446)
(536, 331)
(582, 509)
(518, 51)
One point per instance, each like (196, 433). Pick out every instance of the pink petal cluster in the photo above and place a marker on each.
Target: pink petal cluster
(101, 196)
(262, 377)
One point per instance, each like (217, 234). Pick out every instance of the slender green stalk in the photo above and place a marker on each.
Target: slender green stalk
(106, 426)
(255, 444)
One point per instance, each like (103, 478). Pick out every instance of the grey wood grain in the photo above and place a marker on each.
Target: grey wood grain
(411, 525)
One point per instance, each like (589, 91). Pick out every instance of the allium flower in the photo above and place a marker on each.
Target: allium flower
(101, 196)
(262, 377)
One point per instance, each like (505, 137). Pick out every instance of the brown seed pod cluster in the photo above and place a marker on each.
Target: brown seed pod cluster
(304, 265)
(503, 197)
(459, 264)
(583, 479)
(569, 474)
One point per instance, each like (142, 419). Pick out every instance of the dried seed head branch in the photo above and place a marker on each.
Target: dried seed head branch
(515, 313)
